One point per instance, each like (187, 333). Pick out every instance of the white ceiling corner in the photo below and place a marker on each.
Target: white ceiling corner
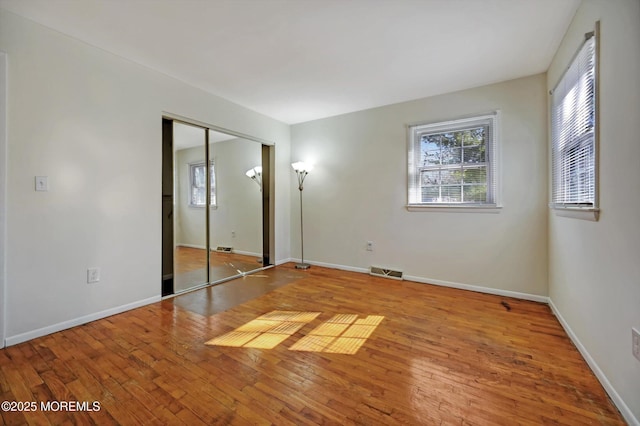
(300, 60)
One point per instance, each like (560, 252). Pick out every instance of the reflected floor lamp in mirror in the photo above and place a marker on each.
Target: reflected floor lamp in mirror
(255, 174)
(302, 170)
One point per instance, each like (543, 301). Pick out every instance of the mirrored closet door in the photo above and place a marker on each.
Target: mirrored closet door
(217, 207)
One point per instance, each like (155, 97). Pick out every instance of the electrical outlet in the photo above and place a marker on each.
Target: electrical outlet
(93, 275)
(369, 245)
(233, 234)
(636, 343)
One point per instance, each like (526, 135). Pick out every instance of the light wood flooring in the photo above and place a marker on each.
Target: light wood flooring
(440, 356)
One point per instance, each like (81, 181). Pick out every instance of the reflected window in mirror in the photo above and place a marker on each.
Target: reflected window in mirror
(198, 184)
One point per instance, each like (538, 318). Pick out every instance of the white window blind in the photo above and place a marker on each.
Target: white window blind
(573, 132)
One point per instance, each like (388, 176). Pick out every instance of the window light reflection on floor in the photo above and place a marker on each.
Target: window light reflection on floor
(342, 334)
(266, 331)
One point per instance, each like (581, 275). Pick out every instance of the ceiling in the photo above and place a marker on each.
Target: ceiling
(300, 60)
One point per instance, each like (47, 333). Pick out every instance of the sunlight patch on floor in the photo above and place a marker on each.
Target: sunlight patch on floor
(266, 331)
(342, 334)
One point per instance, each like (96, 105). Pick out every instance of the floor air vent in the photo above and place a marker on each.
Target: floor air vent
(386, 273)
(224, 249)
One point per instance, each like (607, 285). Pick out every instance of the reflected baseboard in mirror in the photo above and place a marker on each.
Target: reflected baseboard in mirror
(191, 266)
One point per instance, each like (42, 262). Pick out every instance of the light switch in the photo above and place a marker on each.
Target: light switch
(42, 183)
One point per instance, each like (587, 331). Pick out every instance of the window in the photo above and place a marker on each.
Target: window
(452, 164)
(198, 185)
(573, 132)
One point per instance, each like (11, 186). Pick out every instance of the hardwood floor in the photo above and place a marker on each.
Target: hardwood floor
(440, 356)
(191, 266)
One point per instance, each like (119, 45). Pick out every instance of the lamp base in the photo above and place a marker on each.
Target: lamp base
(302, 266)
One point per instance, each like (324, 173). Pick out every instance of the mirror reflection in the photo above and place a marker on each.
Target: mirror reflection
(234, 241)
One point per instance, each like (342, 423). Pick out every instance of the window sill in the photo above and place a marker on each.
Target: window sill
(449, 208)
(591, 214)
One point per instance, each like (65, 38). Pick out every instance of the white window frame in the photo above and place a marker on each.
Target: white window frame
(212, 174)
(414, 167)
(574, 127)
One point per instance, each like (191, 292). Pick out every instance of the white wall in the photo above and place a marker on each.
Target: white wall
(91, 121)
(3, 188)
(239, 208)
(594, 267)
(358, 192)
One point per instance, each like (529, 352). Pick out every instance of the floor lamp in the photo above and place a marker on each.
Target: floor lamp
(302, 170)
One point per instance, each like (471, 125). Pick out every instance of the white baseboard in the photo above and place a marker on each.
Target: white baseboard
(341, 267)
(23, 337)
(608, 387)
(480, 289)
(613, 394)
(247, 253)
(195, 246)
(333, 266)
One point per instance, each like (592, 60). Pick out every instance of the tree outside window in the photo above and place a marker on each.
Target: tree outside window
(452, 163)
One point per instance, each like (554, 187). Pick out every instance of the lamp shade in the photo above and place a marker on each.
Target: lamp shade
(301, 167)
(254, 171)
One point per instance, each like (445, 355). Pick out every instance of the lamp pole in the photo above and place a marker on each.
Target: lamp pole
(301, 265)
(301, 170)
